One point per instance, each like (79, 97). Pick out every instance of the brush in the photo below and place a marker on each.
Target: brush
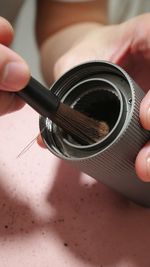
(84, 129)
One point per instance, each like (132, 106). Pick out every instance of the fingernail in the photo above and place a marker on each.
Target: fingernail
(14, 75)
(148, 169)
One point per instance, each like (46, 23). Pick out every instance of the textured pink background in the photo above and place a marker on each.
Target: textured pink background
(51, 215)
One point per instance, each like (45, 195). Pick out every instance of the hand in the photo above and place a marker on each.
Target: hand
(14, 73)
(127, 45)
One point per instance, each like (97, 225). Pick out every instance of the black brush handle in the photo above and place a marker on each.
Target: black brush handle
(39, 98)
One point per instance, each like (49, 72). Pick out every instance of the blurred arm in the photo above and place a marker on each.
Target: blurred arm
(59, 25)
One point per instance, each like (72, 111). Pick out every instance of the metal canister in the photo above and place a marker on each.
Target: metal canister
(105, 92)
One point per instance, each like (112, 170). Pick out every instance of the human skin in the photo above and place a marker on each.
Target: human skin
(66, 38)
(62, 46)
(14, 72)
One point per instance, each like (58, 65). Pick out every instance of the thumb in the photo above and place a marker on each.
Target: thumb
(14, 75)
(14, 72)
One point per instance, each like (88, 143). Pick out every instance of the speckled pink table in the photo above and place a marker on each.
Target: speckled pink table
(53, 216)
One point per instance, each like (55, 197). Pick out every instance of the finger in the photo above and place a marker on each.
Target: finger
(14, 72)
(40, 141)
(9, 102)
(142, 163)
(71, 59)
(145, 111)
(6, 32)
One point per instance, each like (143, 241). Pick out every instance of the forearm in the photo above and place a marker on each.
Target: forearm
(53, 16)
(59, 26)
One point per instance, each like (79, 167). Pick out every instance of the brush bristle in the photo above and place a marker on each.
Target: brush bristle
(83, 128)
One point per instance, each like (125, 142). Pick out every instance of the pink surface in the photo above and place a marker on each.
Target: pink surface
(51, 215)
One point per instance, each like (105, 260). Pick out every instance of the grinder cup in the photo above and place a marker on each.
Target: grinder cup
(105, 92)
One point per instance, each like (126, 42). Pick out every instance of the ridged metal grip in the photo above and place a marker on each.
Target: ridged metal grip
(112, 159)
